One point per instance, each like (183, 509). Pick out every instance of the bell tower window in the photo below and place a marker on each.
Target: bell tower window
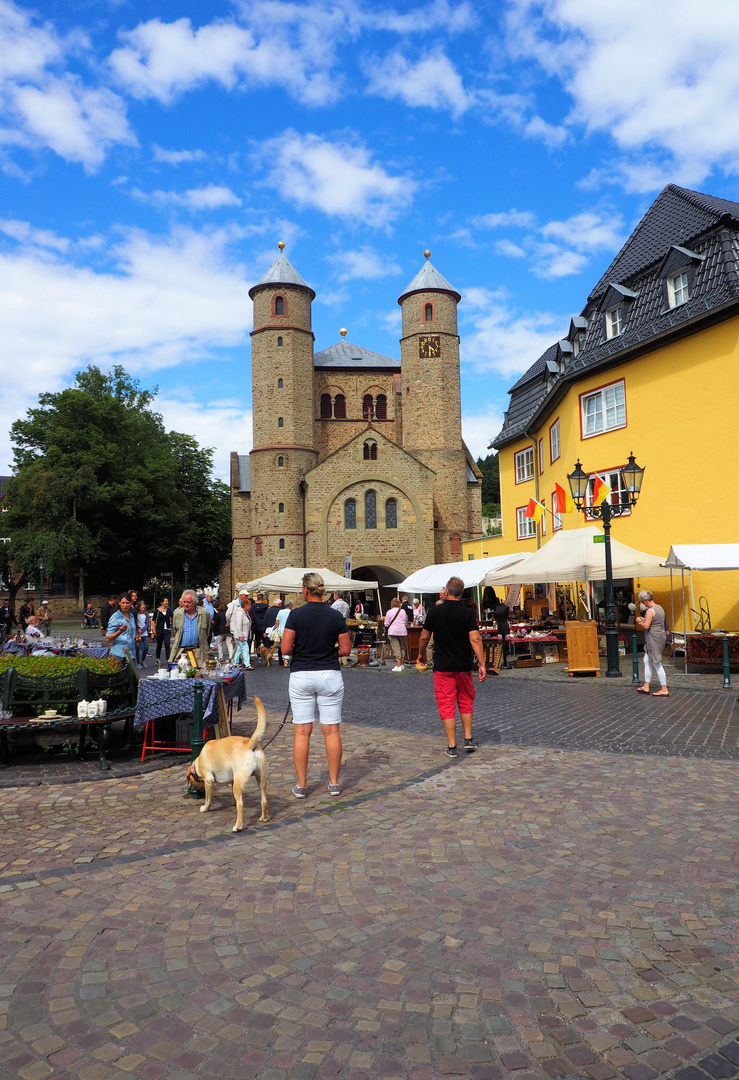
(456, 544)
(325, 406)
(340, 407)
(258, 546)
(428, 313)
(280, 422)
(367, 407)
(280, 384)
(280, 508)
(282, 544)
(279, 305)
(279, 342)
(381, 407)
(280, 463)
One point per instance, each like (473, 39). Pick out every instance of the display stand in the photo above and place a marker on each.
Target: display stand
(582, 648)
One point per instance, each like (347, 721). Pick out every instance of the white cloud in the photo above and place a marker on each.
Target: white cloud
(502, 338)
(176, 157)
(479, 428)
(432, 82)
(439, 15)
(210, 197)
(556, 262)
(222, 425)
(44, 106)
(509, 249)
(340, 178)
(522, 219)
(25, 233)
(166, 301)
(163, 60)
(518, 111)
(656, 79)
(365, 264)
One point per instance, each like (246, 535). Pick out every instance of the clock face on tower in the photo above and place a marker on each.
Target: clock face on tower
(429, 346)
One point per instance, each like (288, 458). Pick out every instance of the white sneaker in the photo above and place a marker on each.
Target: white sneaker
(398, 669)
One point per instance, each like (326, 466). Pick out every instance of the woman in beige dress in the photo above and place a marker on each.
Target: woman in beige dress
(654, 623)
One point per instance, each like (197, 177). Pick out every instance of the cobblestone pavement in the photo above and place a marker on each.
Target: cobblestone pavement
(521, 912)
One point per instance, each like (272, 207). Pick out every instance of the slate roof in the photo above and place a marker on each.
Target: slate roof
(281, 272)
(244, 472)
(427, 278)
(702, 224)
(345, 355)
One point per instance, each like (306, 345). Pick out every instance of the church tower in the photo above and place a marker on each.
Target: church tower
(282, 404)
(432, 417)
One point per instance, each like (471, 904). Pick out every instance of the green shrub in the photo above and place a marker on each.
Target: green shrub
(59, 665)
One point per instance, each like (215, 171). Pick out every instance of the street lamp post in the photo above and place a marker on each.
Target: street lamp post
(632, 476)
(186, 567)
(41, 569)
(170, 575)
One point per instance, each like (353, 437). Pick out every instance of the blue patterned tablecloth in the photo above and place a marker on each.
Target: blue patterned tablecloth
(167, 697)
(95, 652)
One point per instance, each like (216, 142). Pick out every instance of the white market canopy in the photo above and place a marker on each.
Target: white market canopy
(290, 579)
(431, 579)
(703, 557)
(571, 555)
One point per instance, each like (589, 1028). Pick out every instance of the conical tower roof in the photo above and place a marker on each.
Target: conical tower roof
(281, 272)
(427, 279)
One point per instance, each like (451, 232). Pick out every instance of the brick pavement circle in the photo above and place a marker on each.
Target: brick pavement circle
(520, 912)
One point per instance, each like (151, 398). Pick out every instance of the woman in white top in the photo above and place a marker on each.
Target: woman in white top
(142, 641)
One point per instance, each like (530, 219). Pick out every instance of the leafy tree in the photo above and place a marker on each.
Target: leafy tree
(490, 469)
(101, 487)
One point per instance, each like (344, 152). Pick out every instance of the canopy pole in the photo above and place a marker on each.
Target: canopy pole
(672, 615)
(692, 596)
(685, 635)
(479, 610)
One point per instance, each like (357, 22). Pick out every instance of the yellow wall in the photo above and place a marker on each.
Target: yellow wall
(681, 425)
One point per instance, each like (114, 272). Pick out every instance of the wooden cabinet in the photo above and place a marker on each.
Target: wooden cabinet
(582, 648)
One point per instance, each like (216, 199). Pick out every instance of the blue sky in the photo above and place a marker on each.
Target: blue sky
(152, 155)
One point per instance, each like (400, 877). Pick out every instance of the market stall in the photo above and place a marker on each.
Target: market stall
(701, 648)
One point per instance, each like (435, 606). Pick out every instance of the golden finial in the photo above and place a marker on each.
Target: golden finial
(281, 245)
(343, 332)
(427, 253)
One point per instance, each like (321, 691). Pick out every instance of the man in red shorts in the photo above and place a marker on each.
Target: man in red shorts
(456, 638)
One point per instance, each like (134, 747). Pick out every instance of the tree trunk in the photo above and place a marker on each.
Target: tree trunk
(81, 595)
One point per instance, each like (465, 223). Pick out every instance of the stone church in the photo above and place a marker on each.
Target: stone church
(356, 455)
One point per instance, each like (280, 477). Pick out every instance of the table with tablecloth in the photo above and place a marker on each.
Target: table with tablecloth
(171, 697)
(490, 638)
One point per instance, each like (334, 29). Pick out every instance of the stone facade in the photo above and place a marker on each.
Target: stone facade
(355, 454)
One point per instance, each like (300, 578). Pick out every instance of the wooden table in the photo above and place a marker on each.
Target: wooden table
(101, 724)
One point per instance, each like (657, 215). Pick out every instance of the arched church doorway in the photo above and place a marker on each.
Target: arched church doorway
(383, 575)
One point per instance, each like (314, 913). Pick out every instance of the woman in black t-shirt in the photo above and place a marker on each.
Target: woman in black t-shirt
(315, 636)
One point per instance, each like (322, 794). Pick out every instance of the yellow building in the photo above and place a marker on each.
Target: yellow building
(651, 366)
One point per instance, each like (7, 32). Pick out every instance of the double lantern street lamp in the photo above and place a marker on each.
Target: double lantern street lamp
(632, 476)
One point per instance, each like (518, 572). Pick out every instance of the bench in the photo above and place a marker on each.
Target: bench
(23, 693)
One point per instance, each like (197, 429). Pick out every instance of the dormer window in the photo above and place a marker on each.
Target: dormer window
(678, 289)
(279, 305)
(615, 321)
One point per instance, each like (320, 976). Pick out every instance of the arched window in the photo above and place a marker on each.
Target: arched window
(391, 514)
(282, 544)
(381, 407)
(340, 407)
(279, 305)
(369, 451)
(367, 410)
(350, 514)
(258, 546)
(280, 422)
(280, 384)
(325, 406)
(428, 313)
(279, 342)
(456, 541)
(370, 509)
(280, 463)
(280, 508)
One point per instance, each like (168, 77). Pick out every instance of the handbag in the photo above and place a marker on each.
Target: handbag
(275, 634)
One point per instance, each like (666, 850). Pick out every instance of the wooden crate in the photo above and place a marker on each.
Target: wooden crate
(527, 661)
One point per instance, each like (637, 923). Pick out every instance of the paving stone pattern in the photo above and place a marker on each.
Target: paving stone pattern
(521, 912)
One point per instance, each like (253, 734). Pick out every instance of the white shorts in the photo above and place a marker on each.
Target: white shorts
(309, 689)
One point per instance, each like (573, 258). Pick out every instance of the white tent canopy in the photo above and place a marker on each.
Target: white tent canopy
(290, 579)
(571, 555)
(703, 557)
(431, 579)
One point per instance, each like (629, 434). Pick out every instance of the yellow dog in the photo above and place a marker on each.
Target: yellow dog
(233, 761)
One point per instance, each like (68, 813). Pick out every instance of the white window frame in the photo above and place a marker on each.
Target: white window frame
(541, 456)
(615, 321)
(554, 438)
(543, 522)
(678, 289)
(525, 526)
(524, 465)
(557, 519)
(610, 406)
(619, 494)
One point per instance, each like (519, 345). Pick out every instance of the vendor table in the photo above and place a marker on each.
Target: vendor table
(171, 697)
(490, 638)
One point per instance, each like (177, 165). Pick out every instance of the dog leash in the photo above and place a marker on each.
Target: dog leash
(284, 721)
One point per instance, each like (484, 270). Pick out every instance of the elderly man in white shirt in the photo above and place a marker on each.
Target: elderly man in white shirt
(340, 605)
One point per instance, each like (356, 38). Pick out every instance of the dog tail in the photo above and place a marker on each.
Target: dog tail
(261, 727)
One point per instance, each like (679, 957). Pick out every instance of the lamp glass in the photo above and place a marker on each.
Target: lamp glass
(578, 481)
(633, 476)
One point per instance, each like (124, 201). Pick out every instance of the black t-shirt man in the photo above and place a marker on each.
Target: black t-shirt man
(258, 612)
(451, 623)
(317, 628)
